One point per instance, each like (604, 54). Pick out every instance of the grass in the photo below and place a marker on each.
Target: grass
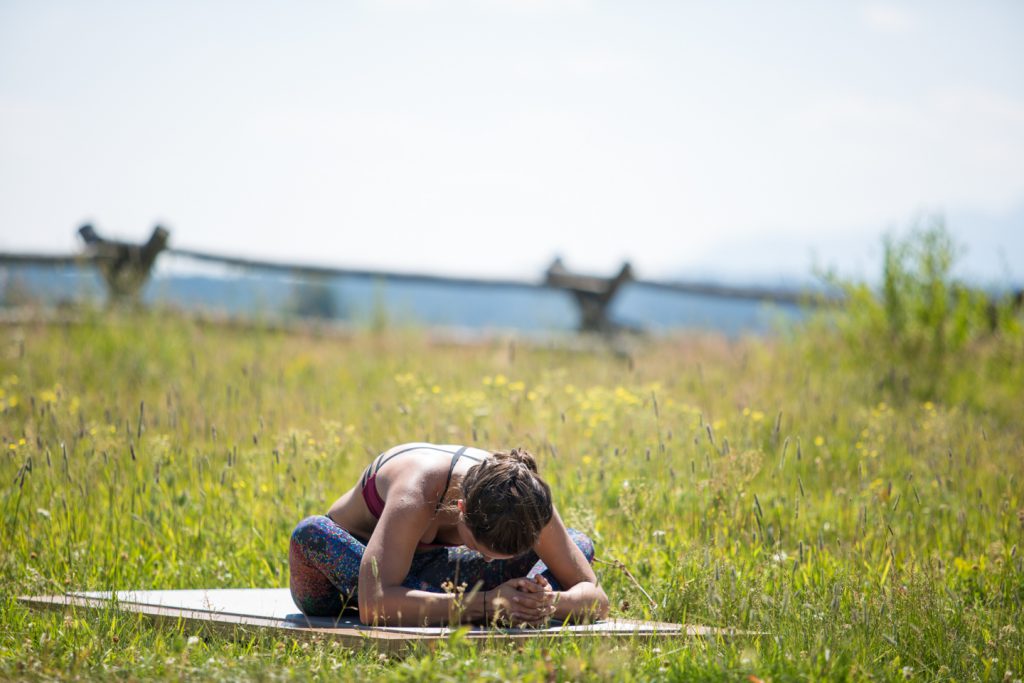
(777, 485)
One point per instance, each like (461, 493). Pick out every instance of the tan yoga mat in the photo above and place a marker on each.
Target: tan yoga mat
(272, 608)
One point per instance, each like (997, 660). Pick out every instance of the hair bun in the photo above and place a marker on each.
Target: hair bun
(519, 456)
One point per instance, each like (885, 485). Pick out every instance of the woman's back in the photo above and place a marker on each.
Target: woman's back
(434, 466)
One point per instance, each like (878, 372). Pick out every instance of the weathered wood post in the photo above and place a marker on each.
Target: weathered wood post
(593, 294)
(125, 267)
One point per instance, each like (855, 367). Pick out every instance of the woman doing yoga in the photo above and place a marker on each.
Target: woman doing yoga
(425, 518)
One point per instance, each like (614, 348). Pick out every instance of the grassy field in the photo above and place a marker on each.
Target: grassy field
(852, 490)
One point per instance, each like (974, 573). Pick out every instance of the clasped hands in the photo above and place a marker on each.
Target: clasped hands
(523, 601)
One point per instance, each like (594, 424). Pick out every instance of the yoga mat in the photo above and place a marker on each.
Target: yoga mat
(273, 609)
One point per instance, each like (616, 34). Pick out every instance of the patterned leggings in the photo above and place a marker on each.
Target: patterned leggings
(324, 562)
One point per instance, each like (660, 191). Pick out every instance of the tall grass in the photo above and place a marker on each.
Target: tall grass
(852, 493)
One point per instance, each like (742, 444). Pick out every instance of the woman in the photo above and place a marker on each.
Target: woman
(425, 518)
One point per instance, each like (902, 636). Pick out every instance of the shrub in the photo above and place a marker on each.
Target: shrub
(922, 333)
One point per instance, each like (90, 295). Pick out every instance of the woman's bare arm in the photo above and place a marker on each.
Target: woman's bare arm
(383, 599)
(581, 597)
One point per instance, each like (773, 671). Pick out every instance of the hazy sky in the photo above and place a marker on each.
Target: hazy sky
(485, 136)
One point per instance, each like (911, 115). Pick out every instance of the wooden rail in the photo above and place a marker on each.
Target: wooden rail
(334, 271)
(54, 260)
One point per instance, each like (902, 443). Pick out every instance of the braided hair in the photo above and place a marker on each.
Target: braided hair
(506, 502)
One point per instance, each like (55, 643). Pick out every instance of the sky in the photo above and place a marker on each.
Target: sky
(739, 141)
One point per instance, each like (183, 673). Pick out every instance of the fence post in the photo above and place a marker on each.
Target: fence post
(593, 294)
(125, 267)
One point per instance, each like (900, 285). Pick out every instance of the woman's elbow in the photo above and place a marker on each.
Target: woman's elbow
(369, 613)
(602, 605)
(365, 614)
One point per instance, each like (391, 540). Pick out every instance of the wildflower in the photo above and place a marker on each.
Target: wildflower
(819, 440)
(192, 640)
(587, 460)
(757, 416)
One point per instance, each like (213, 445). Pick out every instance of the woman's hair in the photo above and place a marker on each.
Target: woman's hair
(506, 502)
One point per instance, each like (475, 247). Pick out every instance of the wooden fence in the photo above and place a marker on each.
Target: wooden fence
(126, 267)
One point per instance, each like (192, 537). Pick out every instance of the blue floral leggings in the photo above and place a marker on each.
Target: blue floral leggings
(324, 562)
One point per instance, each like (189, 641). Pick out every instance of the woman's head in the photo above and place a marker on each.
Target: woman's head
(506, 503)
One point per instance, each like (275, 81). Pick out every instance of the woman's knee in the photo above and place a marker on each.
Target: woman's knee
(309, 534)
(318, 539)
(584, 543)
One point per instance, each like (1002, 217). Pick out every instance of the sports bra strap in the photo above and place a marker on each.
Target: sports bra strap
(380, 463)
(448, 482)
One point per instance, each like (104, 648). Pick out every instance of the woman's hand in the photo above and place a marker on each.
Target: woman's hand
(522, 601)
